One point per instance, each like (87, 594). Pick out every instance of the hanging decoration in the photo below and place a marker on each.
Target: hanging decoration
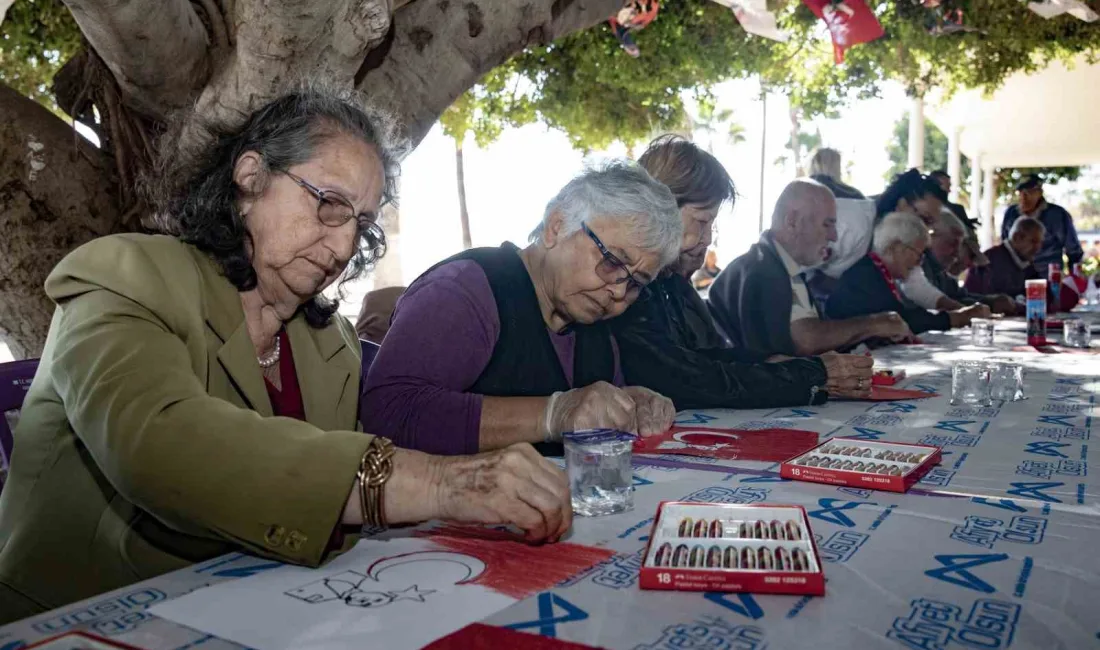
(756, 18)
(850, 22)
(1050, 8)
(634, 16)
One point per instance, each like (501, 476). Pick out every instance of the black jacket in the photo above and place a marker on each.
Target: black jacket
(840, 190)
(864, 291)
(668, 343)
(751, 301)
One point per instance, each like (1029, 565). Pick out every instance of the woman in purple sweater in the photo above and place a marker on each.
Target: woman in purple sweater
(502, 345)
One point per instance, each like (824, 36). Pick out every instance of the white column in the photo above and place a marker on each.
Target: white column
(916, 133)
(989, 202)
(954, 163)
(976, 197)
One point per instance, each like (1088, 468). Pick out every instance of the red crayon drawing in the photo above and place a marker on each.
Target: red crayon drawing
(729, 444)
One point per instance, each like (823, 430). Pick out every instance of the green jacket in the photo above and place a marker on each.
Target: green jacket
(147, 441)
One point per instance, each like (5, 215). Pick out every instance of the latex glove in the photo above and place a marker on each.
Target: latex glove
(654, 412)
(597, 406)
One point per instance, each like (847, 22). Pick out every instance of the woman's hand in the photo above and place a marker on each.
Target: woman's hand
(653, 412)
(514, 486)
(849, 375)
(597, 406)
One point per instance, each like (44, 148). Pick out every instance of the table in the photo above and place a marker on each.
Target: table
(994, 549)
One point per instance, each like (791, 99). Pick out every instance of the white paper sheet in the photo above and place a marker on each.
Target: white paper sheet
(396, 594)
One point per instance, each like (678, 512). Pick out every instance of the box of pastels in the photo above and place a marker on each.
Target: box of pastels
(763, 549)
(889, 466)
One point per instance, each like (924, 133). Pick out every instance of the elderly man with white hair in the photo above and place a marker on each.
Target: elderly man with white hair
(947, 239)
(761, 300)
(496, 346)
(870, 286)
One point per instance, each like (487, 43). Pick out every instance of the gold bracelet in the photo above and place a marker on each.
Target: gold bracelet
(375, 468)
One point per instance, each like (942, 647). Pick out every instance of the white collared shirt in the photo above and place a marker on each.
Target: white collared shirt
(1020, 264)
(801, 305)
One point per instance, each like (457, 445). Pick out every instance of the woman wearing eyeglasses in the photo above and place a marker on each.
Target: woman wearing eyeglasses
(502, 345)
(198, 394)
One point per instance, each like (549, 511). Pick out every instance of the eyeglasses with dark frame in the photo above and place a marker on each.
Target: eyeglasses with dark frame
(613, 270)
(333, 210)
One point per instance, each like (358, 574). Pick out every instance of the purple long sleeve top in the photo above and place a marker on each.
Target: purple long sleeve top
(442, 337)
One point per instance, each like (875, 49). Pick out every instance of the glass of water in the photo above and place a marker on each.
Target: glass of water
(1077, 333)
(970, 384)
(601, 481)
(1006, 381)
(981, 332)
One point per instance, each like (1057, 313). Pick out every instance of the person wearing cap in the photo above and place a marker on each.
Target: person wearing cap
(1060, 235)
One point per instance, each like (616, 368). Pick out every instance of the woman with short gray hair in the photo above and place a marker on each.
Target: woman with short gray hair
(501, 345)
(870, 285)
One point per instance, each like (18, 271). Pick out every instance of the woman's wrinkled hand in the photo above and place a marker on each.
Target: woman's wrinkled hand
(653, 412)
(513, 486)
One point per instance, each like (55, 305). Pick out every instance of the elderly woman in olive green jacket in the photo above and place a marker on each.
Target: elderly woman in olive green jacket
(198, 394)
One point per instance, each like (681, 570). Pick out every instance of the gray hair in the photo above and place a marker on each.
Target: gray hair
(620, 190)
(948, 224)
(1026, 226)
(825, 162)
(899, 227)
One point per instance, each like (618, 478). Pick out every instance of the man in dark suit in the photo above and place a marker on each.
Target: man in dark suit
(761, 300)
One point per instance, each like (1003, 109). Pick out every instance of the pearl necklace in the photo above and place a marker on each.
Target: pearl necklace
(272, 358)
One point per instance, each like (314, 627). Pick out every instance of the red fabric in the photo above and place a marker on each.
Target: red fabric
(287, 402)
(479, 636)
(850, 22)
(881, 266)
(890, 394)
(729, 444)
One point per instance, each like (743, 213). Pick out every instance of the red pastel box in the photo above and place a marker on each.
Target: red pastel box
(889, 466)
(759, 548)
(887, 377)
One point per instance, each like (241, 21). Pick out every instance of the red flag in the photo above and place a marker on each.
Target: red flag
(729, 444)
(850, 23)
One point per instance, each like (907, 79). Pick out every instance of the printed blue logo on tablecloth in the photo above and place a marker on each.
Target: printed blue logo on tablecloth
(863, 433)
(835, 511)
(987, 531)
(892, 407)
(617, 572)
(553, 611)
(1034, 490)
(956, 570)
(937, 477)
(1071, 409)
(877, 420)
(987, 412)
(722, 494)
(694, 418)
(937, 625)
(1060, 433)
(1047, 469)
(858, 492)
(960, 440)
(841, 545)
(961, 426)
(1062, 420)
(708, 632)
(108, 617)
(743, 604)
(759, 425)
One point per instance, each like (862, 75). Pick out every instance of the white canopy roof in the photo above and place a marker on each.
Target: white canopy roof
(1049, 118)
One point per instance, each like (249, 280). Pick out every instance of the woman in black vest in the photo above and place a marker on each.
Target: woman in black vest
(502, 345)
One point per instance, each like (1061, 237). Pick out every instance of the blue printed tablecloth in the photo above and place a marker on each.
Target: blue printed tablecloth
(995, 549)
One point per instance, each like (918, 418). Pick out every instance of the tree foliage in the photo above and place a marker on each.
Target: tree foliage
(37, 38)
(935, 157)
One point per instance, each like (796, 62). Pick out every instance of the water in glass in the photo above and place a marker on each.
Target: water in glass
(970, 383)
(1006, 381)
(600, 477)
(981, 332)
(1078, 333)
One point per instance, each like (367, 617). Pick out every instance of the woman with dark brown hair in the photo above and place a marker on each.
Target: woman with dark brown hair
(668, 341)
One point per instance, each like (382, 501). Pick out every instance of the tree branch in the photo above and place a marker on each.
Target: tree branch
(442, 47)
(282, 40)
(157, 50)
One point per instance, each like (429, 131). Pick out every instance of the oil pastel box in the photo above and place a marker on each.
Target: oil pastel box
(758, 548)
(851, 462)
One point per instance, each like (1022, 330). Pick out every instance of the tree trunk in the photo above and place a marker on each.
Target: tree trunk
(796, 145)
(463, 213)
(55, 194)
(414, 57)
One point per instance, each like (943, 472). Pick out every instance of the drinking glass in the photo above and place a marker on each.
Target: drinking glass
(601, 481)
(1006, 381)
(981, 332)
(1077, 333)
(970, 384)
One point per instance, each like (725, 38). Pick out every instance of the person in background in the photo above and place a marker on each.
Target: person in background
(501, 345)
(1011, 263)
(197, 393)
(1060, 236)
(970, 255)
(943, 179)
(947, 239)
(375, 314)
(761, 300)
(704, 277)
(669, 342)
(870, 286)
(825, 169)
